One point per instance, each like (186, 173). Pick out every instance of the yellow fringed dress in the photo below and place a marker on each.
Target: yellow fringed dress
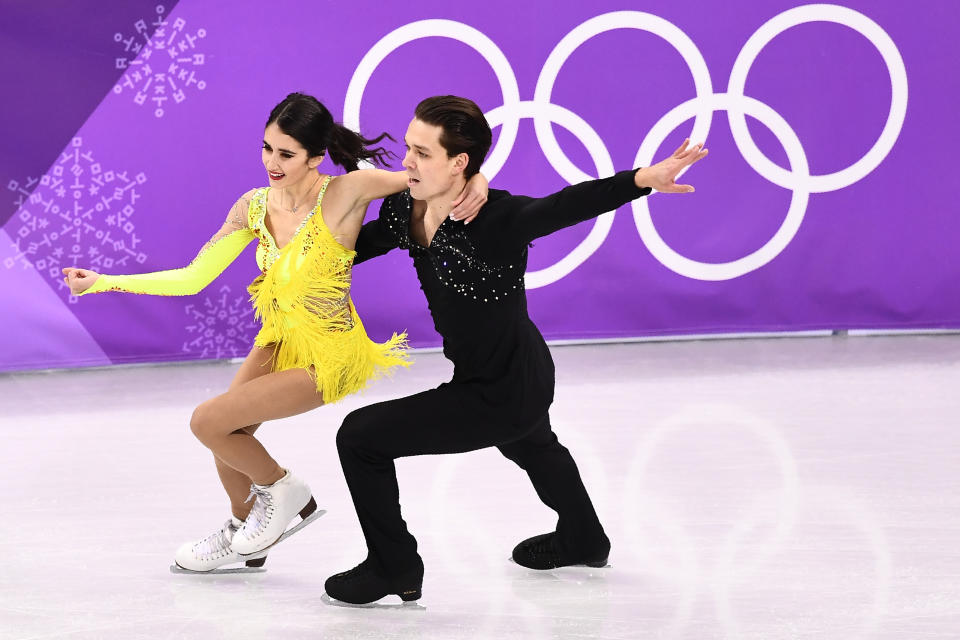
(302, 297)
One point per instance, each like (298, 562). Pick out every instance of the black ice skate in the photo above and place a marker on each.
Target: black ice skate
(364, 585)
(547, 551)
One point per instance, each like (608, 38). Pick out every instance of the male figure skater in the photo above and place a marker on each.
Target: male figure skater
(503, 380)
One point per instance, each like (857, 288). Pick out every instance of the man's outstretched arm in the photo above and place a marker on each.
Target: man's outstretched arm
(538, 217)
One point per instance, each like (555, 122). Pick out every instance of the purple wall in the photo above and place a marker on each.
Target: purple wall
(857, 230)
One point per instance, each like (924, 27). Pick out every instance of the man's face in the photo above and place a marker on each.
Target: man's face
(430, 172)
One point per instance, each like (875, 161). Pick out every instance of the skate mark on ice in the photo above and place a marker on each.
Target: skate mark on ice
(406, 606)
(588, 565)
(254, 564)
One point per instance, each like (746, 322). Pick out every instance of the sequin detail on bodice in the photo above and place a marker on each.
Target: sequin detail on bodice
(457, 263)
(267, 249)
(312, 253)
(303, 299)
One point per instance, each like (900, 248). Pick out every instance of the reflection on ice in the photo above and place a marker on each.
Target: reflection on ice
(750, 488)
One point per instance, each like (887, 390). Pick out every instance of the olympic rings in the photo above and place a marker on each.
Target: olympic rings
(544, 113)
(791, 224)
(444, 29)
(891, 129)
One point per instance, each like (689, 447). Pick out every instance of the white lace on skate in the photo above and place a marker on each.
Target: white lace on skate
(260, 515)
(216, 545)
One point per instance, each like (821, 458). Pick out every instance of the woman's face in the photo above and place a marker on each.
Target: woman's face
(285, 159)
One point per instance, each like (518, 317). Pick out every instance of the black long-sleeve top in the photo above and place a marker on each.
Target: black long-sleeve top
(473, 278)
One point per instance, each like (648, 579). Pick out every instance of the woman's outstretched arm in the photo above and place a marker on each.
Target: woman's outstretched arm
(371, 184)
(215, 256)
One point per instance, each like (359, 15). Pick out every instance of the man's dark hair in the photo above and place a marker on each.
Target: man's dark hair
(465, 130)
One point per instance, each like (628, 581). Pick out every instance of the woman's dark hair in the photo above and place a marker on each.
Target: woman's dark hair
(306, 120)
(465, 129)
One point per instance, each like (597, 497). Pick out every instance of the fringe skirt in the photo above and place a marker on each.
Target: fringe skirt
(341, 362)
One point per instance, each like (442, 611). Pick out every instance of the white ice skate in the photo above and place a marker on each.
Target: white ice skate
(275, 507)
(210, 555)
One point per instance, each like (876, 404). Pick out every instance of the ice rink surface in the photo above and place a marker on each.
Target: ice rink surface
(762, 489)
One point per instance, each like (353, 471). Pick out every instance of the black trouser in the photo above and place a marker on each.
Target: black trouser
(453, 418)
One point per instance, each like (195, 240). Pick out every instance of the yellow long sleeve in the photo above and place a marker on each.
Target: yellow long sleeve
(187, 281)
(214, 257)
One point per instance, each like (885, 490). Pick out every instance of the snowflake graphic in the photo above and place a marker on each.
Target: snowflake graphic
(78, 215)
(146, 75)
(221, 327)
(23, 191)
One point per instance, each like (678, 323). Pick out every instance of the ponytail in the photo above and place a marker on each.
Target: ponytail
(347, 148)
(306, 120)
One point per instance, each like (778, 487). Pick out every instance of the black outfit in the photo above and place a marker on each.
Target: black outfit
(503, 381)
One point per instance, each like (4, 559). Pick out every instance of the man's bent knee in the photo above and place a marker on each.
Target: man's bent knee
(356, 429)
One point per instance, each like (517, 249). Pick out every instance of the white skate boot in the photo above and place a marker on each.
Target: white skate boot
(275, 508)
(209, 554)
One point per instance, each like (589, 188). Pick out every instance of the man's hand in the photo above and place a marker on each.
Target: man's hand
(79, 280)
(661, 176)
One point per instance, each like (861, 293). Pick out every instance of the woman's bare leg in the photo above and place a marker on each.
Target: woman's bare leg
(220, 423)
(235, 483)
(237, 486)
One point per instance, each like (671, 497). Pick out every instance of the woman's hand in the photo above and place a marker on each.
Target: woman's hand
(661, 176)
(79, 280)
(471, 199)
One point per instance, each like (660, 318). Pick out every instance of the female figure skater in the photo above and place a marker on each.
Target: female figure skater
(312, 348)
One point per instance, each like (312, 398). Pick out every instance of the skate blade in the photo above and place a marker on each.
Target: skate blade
(175, 568)
(405, 606)
(569, 566)
(286, 534)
